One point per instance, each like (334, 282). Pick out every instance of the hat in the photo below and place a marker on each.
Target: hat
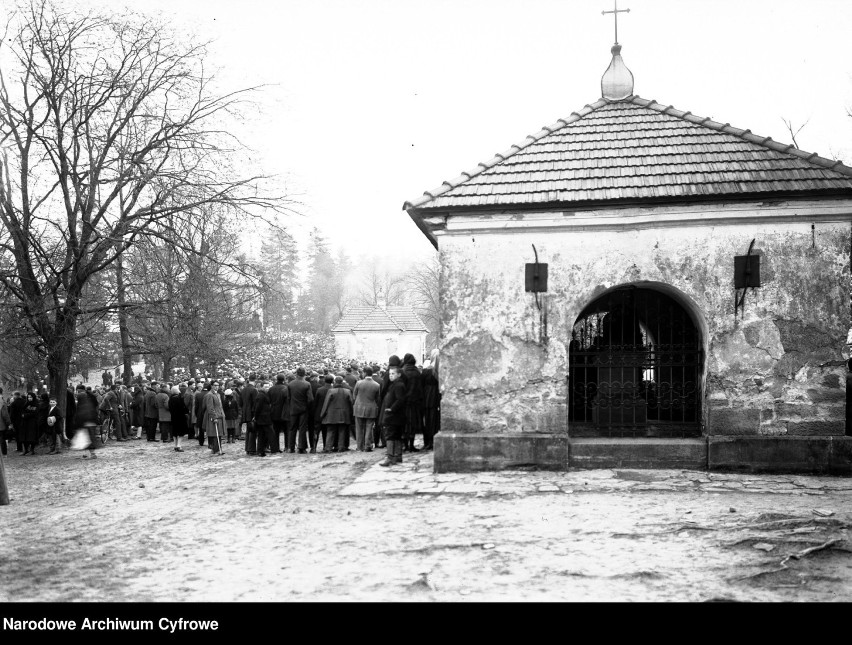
(409, 359)
(228, 392)
(394, 361)
(175, 390)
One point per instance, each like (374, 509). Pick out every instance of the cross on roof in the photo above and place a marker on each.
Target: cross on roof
(615, 13)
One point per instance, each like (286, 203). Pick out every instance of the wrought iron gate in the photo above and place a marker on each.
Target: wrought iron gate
(635, 366)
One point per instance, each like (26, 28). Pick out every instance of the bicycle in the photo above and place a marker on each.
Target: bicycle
(105, 428)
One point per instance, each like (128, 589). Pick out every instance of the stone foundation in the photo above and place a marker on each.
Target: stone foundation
(815, 454)
(823, 455)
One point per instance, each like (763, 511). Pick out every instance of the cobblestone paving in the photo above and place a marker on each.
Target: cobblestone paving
(415, 477)
(144, 523)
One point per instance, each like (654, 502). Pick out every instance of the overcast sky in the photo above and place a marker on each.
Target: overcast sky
(373, 102)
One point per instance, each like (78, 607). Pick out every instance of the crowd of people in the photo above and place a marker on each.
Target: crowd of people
(377, 407)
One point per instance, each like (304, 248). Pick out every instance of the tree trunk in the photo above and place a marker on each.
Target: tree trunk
(127, 357)
(167, 366)
(59, 361)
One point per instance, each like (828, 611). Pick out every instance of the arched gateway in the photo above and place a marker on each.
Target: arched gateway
(635, 367)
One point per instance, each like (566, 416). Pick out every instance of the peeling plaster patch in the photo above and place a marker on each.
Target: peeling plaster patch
(734, 354)
(764, 335)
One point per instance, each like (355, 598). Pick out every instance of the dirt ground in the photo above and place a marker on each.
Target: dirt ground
(145, 523)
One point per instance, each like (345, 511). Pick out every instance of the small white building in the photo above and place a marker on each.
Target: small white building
(375, 333)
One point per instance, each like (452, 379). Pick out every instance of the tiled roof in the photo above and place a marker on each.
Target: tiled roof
(351, 317)
(636, 150)
(407, 318)
(379, 319)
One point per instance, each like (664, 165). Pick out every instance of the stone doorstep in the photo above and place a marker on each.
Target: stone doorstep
(764, 454)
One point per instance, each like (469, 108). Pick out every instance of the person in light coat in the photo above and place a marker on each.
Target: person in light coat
(366, 410)
(213, 421)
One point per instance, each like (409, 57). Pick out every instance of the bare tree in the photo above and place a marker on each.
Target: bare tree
(192, 295)
(794, 133)
(108, 127)
(381, 285)
(423, 282)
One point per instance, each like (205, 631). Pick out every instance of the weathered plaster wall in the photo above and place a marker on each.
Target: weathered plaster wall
(776, 369)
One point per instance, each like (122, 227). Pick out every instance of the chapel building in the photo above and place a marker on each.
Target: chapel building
(374, 333)
(671, 292)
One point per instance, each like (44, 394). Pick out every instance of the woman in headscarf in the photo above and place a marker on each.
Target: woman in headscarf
(213, 421)
(177, 408)
(29, 421)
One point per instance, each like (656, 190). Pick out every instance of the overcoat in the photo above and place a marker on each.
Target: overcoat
(319, 399)
(29, 422)
(137, 409)
(395, 402)
(279, 399)
(177, 410)
(337, 407)
(150, 404)
(366, 398)
(301, 396)
(262, 409)
(248, 396)
(213, 412)
(162, 402)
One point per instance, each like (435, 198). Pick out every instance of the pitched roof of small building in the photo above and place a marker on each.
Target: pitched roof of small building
(635, 150)
(367, 319)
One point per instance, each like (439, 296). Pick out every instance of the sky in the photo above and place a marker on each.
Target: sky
(369, 103)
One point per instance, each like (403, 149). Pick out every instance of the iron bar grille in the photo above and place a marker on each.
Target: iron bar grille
(635, 366)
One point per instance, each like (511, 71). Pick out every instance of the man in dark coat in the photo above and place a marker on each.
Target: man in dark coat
(248, 399)
(336, 414)
(393, 361)
(301, 406)
(151, 416)
(200, 433)
(316, 383)
(16, 414)
(279, 399)
(111, 405)
(393, 416)
(350, 378)
(413, 402)
(431, 404)
(237, 392)
(262, 419)
(318, 402)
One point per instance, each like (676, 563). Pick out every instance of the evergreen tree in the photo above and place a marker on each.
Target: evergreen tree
(278, 272)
